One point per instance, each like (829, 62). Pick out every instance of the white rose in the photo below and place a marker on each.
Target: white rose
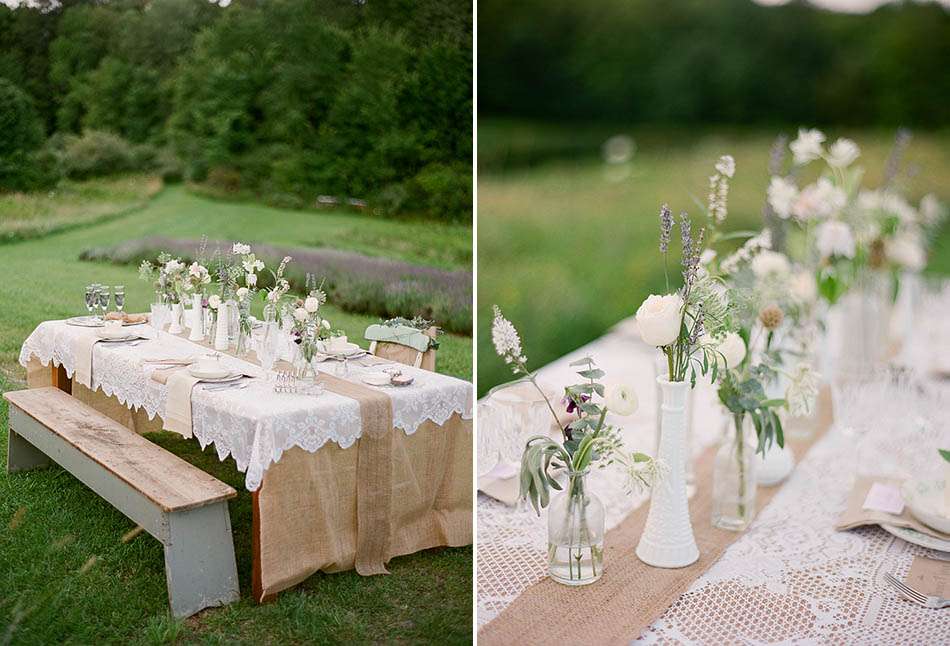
(782, 194)
(808, 146)
(842, 153)
(251, 280)
(732, 348)
(301, 314)
(819, 200)
(834, 238)
(768, 262)
(907, 251)
(325, 323)
(172, 266)
(620, 399)
(240, 249)
(659, 319)
(312, 304)
(242, 293)
(214, 301)
(803, 288)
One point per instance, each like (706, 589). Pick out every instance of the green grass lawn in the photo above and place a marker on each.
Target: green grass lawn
(50, 525)
(566, 249)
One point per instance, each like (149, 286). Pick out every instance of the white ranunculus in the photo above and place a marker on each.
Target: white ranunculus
(312, 304)
(768, 262)
(819, 200)
(803, 287)
(251, 280)
(241, 293)
(240, 249)
(214, 301)
(621, 399)
(732, 348)
(843, 153)
(659, 319)
(835, 238)
(808, 146)
(301, 314)
(782, 195)
(907, 251)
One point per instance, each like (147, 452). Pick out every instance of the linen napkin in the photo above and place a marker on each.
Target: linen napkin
(83, 347)
(180, 384)
(929, 576)
(856, 516)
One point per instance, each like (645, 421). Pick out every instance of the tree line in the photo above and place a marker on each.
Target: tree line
(284, 99)
(728, 61)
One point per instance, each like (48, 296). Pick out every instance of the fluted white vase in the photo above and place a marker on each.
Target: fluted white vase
(667, 540)
(221, 329)
(197, 319)
(775, 466)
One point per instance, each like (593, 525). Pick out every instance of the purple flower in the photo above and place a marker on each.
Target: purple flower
(574, 406)
(666, 225)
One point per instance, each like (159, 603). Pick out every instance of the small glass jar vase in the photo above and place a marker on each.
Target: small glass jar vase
(270, 312)
(576, 534)
(734, 485)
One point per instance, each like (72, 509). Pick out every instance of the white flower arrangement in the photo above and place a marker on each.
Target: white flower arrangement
(586, 438)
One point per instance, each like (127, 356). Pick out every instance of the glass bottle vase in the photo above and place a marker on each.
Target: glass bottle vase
(576, 534)
(734, 484)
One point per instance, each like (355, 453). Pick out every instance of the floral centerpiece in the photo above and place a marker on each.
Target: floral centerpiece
(576, 516)
(276, 293)
(308, 328)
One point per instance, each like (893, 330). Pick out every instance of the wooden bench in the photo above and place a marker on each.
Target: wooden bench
(177, 503)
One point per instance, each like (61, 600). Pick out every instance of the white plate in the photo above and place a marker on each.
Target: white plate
(345, 349)
(915, 537)
(220, 373)
(376, 378)
(118, 339)
(92, 321)
(924, 499)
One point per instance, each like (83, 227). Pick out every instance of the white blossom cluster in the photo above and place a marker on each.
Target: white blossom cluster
(746, 252)
(719, 188)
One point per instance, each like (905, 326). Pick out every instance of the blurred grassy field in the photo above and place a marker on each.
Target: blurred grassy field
(50, 524)
(567, 246)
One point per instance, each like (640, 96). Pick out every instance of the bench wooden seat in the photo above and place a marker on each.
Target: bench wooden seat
(177, 503)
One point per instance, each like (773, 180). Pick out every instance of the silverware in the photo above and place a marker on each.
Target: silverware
(913, 595)
(229, 386)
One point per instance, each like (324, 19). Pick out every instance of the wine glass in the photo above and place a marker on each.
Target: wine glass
(159, 316)
(92, 299)
(118, 292)
(104, 297)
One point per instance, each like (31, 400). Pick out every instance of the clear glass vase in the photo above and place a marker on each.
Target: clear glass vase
(734, 485)
(576, 534)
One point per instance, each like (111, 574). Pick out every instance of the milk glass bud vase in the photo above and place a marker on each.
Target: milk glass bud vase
(734, 475)
(667, 540)
(576, 534)
(175, 326)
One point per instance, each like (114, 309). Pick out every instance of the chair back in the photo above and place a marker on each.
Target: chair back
(403, 344)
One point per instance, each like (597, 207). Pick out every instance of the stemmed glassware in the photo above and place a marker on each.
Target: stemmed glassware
(104, 298)
(267, 346)
(118, 292)
(92, 298)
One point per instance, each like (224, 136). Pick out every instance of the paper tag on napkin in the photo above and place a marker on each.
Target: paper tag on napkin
(929, 576)
(884, 497)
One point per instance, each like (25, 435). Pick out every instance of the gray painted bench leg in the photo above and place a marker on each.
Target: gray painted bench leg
(21, 455)
(199, 560)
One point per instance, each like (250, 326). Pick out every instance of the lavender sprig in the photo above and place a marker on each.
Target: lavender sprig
(666, 226)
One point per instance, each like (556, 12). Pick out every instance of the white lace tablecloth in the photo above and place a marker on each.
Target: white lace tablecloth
(790, 578)
(254, 425)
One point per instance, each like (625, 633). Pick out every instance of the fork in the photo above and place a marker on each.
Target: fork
(917, 597)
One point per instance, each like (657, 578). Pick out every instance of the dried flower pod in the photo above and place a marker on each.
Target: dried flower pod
(771, 316)
(876, 254)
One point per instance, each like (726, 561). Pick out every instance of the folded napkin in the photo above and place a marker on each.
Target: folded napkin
(83, 346)
(186, 361)
(180, 383)
(856, 516)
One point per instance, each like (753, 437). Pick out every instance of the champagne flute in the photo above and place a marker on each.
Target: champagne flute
(104, 297)
(118, 292)
(92, 299)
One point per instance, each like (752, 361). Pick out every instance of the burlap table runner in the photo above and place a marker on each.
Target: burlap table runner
(632, 594)
(855, 515)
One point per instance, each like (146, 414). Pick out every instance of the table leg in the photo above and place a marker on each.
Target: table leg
(59, 379)
(256, 577)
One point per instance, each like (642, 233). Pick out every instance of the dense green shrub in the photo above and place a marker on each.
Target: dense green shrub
(22, 167)
(444, 191)
(96, 153)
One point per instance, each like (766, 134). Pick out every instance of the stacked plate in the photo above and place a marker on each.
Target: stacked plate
(924, 500)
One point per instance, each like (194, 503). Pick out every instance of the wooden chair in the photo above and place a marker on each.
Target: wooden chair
(403, 344)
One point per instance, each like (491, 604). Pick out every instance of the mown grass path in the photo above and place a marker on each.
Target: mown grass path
(51, 525)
